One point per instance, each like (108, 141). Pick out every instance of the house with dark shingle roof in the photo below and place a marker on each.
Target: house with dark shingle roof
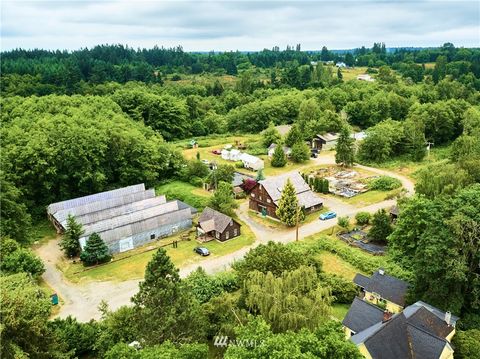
(384, 290)
(266, 194)
(216, 225)
(361, 316)
(420, 331)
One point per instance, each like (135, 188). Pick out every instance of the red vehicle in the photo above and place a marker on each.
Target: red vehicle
(216, 152)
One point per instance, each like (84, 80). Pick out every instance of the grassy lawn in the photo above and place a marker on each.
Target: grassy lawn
(331, 263)
(370, 197)
(194, 196)
(134, 262)
(351, 73)
(217, 142)
(42, 232)
(340, 310)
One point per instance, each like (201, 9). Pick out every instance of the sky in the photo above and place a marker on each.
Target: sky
(238, 25)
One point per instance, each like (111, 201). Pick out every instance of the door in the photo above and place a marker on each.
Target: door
(126, 244)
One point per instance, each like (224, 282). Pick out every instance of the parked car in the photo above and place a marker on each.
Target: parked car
(216, 152)
(202, 251)
(327, 215)
(206, 162)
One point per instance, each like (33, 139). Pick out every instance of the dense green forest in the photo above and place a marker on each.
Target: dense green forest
(76, 123)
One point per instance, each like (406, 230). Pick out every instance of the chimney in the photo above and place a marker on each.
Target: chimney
(448, 317)
(381, 271)
(386, 316)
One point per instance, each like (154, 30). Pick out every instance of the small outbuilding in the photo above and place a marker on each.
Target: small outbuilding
(216, 225)
(327, 140)
(252, 162)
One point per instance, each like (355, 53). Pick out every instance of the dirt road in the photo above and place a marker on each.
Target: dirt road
(82, 300)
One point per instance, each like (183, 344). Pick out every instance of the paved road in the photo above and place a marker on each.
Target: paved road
(82, 300)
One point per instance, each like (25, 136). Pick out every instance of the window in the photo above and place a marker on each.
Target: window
(260, 197)
(268, 200)
(217, 235)
(252, 194)
(152, 236)
(231, 223)
(235, 232)
(227, 234)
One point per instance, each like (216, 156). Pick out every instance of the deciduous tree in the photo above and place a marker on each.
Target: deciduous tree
(292, 301)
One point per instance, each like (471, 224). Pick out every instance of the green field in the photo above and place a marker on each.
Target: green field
(370, 197)
(194, 196)
(333, 264)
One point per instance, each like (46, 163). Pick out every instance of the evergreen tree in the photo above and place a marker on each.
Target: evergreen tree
(271, 135)
(344, 149)
(164, 308)
(293, 136)
(288, 207)
(325, 186)
(339, 74)
(279, 159)
(381, 227)
(300, 152)
(222, 200)
(69, 243)
(95, 251)
(260, 175)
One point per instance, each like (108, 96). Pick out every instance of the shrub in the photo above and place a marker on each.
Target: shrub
(239, 164)
(381, 227)
(196, 181)
(300, 152)
(362, 218)
(344, 290)
(344, 222)
(385, 183)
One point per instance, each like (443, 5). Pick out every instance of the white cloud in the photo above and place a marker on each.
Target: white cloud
(242, 25)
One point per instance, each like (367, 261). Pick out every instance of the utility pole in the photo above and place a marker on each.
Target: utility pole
(214, 168)
(296, 229)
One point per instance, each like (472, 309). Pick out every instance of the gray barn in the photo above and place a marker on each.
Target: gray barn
(124, 218)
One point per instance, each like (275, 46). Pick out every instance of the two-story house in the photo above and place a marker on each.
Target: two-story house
(266, 194)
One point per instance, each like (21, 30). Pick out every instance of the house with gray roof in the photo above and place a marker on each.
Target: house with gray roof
(271, 149)
(420, 331)
(124, 218)
(360, 316)
(213, 224)
(266, 194)
(383, 289)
